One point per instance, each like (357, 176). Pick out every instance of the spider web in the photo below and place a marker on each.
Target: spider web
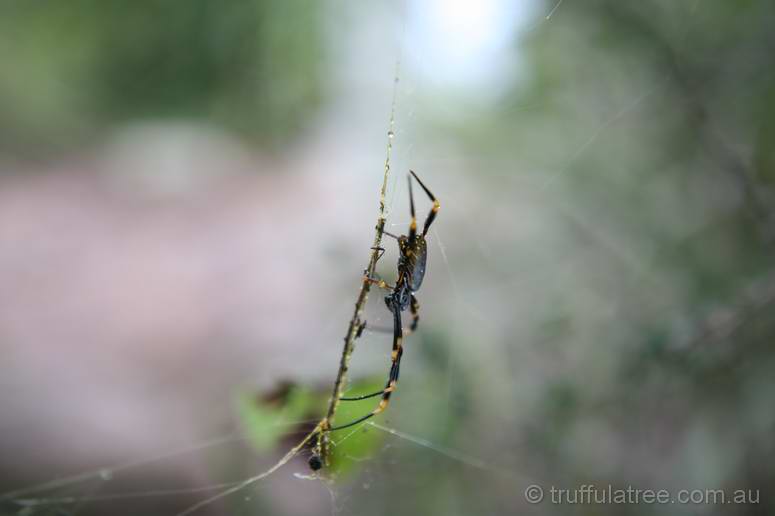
(458, 427)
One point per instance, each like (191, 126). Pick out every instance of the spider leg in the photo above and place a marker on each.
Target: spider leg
(414, 307)
(413, 224)
(379, 282)
(390, 386)
(364, 397)
(381, 251)
(434, 209)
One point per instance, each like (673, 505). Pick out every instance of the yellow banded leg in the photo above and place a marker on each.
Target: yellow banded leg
(414, 308)
(378, 282)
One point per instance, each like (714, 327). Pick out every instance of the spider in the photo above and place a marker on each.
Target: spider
(413, 251)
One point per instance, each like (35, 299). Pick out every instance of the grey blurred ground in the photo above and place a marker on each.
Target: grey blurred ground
(187, 196)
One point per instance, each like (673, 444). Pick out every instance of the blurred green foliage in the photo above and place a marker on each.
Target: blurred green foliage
(74, 69)
(266, 421)
(352, 446)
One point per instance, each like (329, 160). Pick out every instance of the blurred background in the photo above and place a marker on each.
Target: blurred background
(188, 192)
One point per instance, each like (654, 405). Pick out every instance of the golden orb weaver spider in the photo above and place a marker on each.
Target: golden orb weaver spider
(413, 252)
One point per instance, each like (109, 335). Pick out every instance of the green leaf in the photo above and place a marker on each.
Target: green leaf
(267, 419)
(351, 446)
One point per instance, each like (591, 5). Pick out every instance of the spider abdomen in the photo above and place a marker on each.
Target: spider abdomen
(416, 269)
